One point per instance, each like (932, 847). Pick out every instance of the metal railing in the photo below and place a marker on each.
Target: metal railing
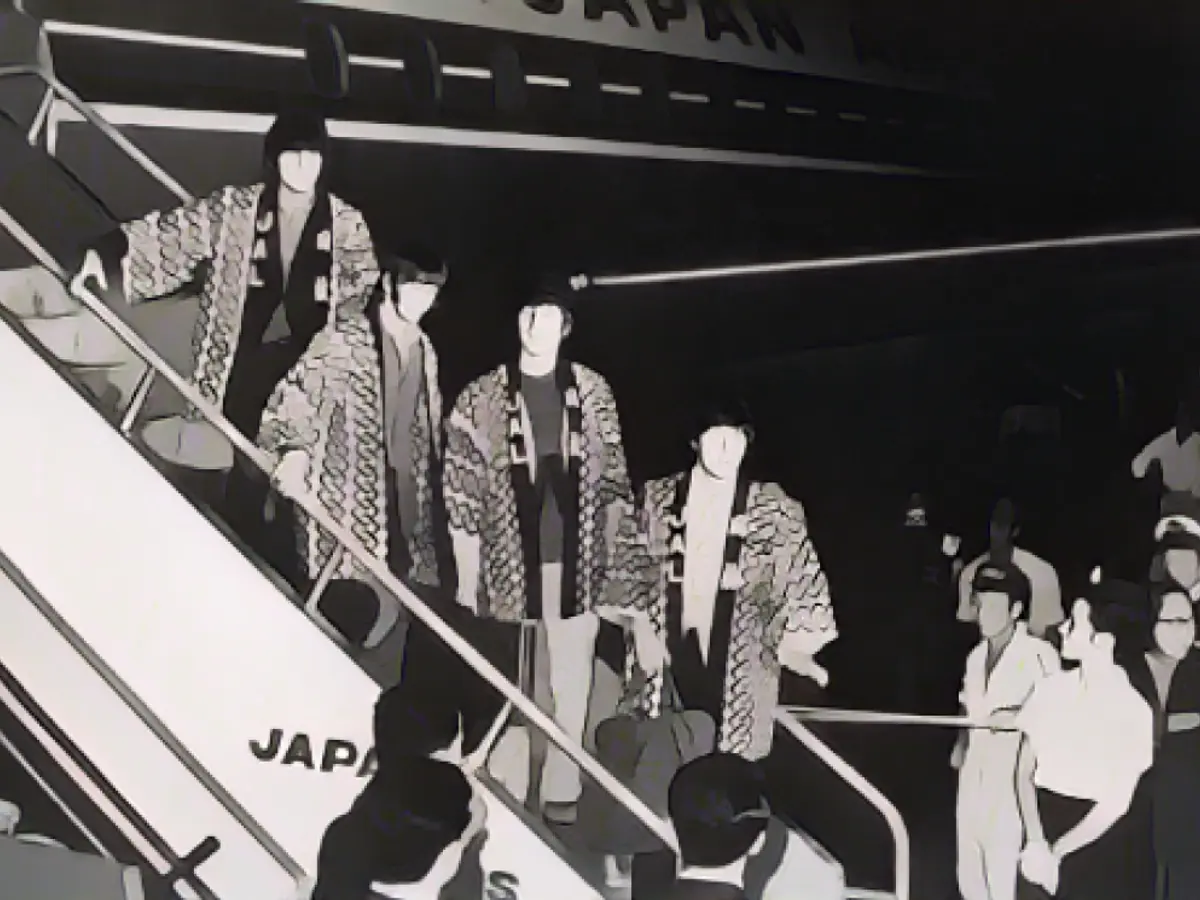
(379, 571)
(884, 806)
(149, 166)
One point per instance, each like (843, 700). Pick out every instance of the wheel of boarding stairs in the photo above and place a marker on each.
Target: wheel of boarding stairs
(188, 444)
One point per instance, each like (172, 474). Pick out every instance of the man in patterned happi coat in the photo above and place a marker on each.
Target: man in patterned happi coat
(535, 484)
(722, 588)
(282, 345)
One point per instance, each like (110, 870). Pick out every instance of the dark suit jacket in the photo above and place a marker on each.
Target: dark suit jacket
(1175, 778)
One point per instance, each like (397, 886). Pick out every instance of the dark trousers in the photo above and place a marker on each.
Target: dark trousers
(273, 540)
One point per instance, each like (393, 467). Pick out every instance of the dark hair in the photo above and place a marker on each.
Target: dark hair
(554, 291)
(408, 817)
(725, 412)
(1160, 591)
(718, 809)
(998, 574)
(1121, 609)
(351, 607)
(299, 127)
(413, 262)
(413, 720)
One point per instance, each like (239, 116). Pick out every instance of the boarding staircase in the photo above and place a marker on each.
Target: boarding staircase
(99, 627)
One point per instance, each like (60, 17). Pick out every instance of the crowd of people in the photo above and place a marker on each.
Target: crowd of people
(512, 514)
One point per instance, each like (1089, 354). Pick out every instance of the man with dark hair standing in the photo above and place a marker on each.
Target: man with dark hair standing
(410, 284)
(719, 809)
(1045, 605)
(536, 485)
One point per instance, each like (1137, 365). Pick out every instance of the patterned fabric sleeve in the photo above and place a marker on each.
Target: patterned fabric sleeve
(358, 266)
(634, 571)
(298, 404)
(799, 596)
(465, 468)
(615, 488)
(163, 249)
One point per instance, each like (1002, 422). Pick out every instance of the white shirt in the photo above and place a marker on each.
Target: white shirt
(987, 792)
(1180, 462)
(1046, 608)
(1021, 666)
(709, 505)
(1088, 738)
(807, 872)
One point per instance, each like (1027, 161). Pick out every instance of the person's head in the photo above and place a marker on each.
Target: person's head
(545, 321)
(1003, 528)
(1174, 622)
(1105, 623)
(412, 280)
(1001, 593)
(352, 608)
(295, 151)
(406, 835)
(719, 811)
(415, 720)
(723, 438)
(1178, 537)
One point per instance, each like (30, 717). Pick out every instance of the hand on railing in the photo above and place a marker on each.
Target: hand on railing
(290, 476)
(93, 267)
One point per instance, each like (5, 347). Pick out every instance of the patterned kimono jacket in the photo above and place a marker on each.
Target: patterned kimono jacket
(489, 488)
(328, 403)
(771, 584)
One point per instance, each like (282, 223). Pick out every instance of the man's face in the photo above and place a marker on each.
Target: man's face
(1175, 630)
(299, 170)
(542, 328)
(1183, 565)
(722, 450)
(996, 613)
(413, 299)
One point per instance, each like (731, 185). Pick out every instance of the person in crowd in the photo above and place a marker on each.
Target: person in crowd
(411, 722)
(412, 279)
(718, 581)
(718, 807)
(1176, 450)
(1177, 541)
(535, 487)
(1166, 671)
(404, 839)
(1001, 673)
(1046, 608)
(927, 634)
(283, 345)
(1087, 739)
